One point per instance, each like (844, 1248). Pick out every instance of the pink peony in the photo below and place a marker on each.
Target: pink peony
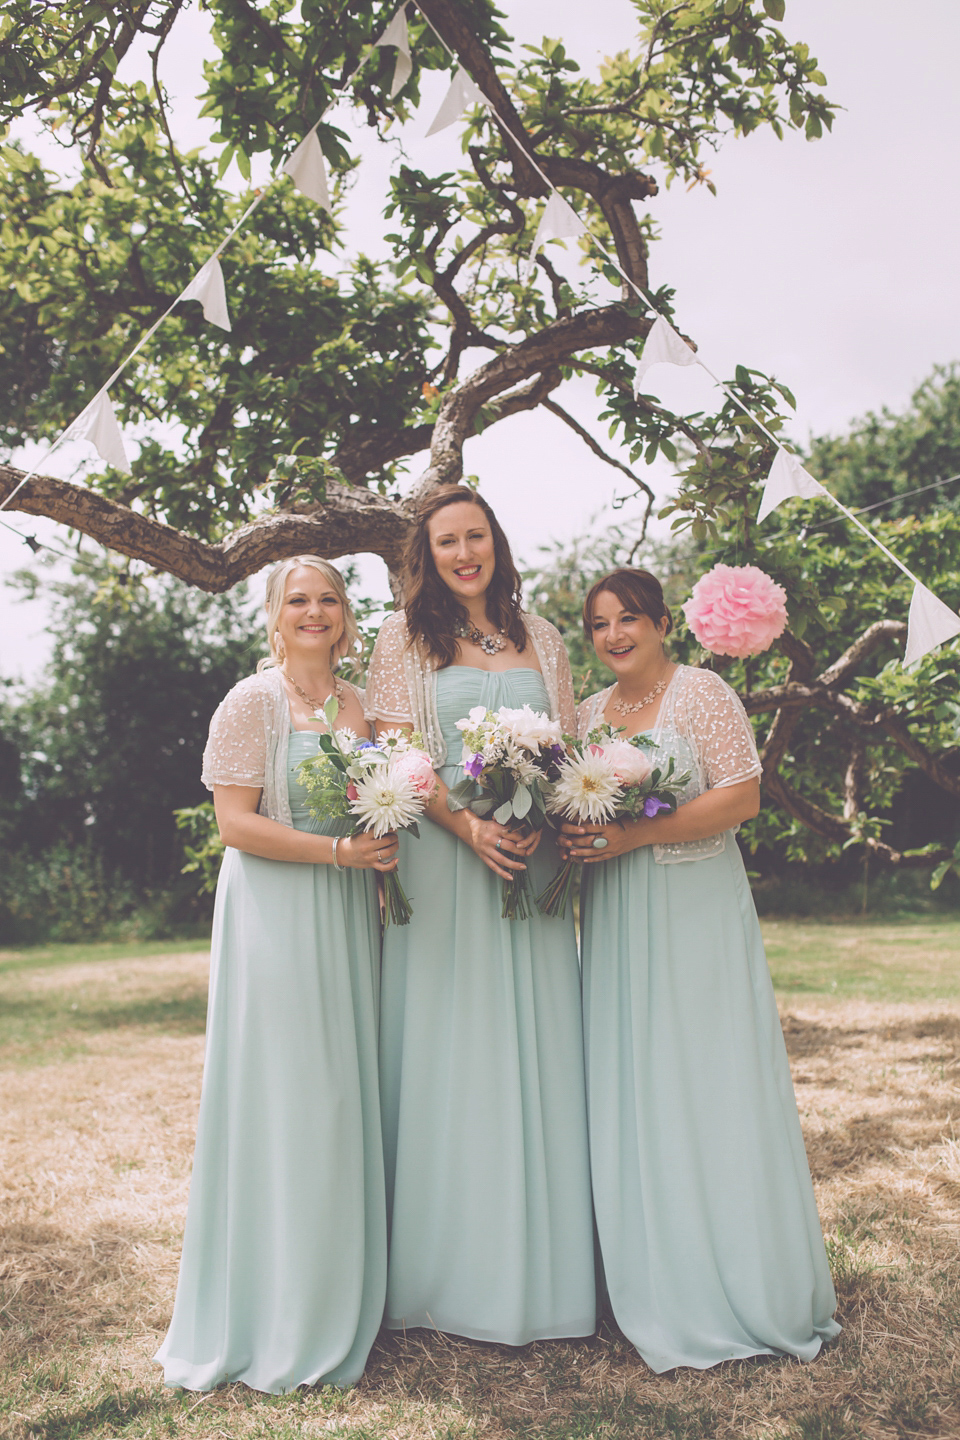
(736, 610)
(630, 765)
(417, 768)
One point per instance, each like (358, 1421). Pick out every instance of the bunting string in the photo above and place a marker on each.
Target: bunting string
(930, 622)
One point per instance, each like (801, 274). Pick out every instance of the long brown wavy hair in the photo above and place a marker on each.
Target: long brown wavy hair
(431, 608)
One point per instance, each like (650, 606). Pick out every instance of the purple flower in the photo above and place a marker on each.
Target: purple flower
(365, 745)
(474, 767)
(652, 805)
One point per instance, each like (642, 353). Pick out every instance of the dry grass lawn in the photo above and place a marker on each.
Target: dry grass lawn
(100, 1059)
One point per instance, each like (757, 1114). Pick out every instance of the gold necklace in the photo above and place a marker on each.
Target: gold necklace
(315, 705)
(624, 709)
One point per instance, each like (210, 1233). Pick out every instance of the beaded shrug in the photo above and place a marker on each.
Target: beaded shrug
(402, 680)
(698, 706)
(249, 741)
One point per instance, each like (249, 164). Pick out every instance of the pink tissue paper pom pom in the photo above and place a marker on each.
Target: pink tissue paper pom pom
(736, 610)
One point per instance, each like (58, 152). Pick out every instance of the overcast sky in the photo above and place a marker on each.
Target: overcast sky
(831, 264)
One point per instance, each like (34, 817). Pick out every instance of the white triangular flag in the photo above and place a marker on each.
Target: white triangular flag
(930, 623)
(559, 221)
(98, 424)
(396, 34)
(207, 286)
(462, 92)
(307, 170)
(663, 346)
(787, 478)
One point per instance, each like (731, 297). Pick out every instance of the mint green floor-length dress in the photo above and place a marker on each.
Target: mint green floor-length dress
(482, 1084)
(708, 1227)
(283, 1272)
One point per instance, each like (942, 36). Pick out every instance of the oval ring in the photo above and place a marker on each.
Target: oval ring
(601, 842)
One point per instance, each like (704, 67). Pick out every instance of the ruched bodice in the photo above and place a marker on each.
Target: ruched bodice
(460, 687)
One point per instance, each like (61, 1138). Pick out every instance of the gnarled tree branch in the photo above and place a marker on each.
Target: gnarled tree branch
(351, 520)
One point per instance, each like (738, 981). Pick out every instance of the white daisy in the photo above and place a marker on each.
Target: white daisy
(386, 800)
(587, 789)
(394, 739)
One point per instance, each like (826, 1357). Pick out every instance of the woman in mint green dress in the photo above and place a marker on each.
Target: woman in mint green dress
(481, 1049)
(708, 1227)
(284, 1257)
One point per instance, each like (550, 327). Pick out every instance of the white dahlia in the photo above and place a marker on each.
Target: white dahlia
(386, 800)
(587, 789)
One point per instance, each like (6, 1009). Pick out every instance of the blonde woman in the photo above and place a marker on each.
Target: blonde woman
(283, 1272)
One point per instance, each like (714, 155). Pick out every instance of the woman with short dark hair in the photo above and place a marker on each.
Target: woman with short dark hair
(706, 1216)
(481, 1049)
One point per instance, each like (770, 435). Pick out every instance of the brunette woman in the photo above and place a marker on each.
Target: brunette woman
(481, 1048)
(284, 1258)
(708, 1227)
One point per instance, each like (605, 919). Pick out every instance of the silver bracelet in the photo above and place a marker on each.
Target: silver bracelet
(336, 842)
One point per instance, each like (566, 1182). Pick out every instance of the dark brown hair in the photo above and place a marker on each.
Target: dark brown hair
(431, 608)
(636, 590)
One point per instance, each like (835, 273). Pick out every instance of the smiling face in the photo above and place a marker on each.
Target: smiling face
(311, 617)
(627, 641)
(461, 543)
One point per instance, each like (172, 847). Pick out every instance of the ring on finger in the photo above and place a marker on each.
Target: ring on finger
(500, 843)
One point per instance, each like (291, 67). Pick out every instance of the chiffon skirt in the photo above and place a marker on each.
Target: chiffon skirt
(708, 1227)
(484, 1109)
(284, 1258)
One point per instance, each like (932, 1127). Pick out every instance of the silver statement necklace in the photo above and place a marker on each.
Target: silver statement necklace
(315, 705)
(489, 644)
(623, 709)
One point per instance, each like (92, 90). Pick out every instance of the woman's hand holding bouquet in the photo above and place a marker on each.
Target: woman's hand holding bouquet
(370, 788)
(509, 758)
(606, 778)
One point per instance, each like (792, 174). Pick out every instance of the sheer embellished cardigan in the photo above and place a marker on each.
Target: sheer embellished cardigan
(699, 706)
(249, 741)
(402, 680)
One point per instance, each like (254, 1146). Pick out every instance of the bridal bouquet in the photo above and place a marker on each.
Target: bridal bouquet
(370, 786)
(606, 777)
(509, 757)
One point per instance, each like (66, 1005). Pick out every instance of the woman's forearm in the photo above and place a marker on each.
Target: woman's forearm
(456, 821)
(254, 834)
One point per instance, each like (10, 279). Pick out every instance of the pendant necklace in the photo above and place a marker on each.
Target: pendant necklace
(489, 644)
(315, 705)
(623, 709)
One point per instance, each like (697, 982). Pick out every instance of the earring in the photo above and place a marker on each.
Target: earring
(278, 643)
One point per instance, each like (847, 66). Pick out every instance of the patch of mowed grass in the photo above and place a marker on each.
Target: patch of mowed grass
(55, 1002)
(45, 957)
(907, 960)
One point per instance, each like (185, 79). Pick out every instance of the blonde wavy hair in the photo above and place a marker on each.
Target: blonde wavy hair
(349, 641)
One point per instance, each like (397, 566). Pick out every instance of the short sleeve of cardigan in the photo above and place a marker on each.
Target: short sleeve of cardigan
(387, 696)
(721, 731)
(236, 749)
(558, 676)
